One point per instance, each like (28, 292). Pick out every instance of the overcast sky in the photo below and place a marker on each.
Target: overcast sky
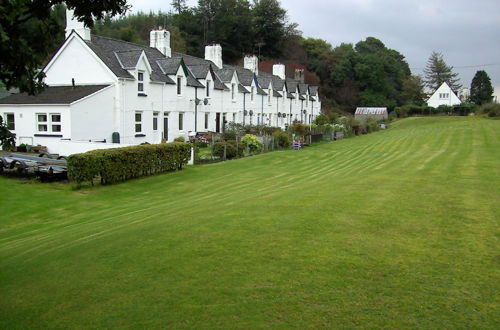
(466, 32)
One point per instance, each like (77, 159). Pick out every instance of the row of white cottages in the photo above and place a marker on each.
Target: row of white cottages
(103, 90)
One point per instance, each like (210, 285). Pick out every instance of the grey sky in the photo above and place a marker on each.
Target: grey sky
(466, 32)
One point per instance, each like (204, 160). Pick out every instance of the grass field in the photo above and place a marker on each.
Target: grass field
(397, 229)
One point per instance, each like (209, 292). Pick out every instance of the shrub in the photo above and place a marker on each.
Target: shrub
(281, 140)
(490, 109)
(200, 144)
(120, 164)
(299, 129)
(180, 139)
(233, 149)
(252, 143)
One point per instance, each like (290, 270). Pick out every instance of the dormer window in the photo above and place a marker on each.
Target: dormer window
(233, 89)
(179, 85)
(269, 91)
(140, 82)
(251, 93)
(208, 88)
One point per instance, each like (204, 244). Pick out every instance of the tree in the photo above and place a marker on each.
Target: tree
(437, 72)
(413, 91)
(7, 139)
(270, 26)
(179, 5)
(27, 30)
(481, 90)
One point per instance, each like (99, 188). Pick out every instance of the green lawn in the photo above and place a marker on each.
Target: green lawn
(396, 229)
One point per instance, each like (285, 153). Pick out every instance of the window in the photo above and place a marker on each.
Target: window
(155, 120)
(233, 87)
(181, 121)
(208, 88)
(48, 122)
(179, 85)
(206, 120)
(269, 91)
(138, 122)
(234, 117)
(140, 81)
(251, 93)
(444, 95)
(41, 120)
(55, 121)
(10, 121)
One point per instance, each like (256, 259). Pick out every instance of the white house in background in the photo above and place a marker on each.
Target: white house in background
(444, 95)
(107, 93)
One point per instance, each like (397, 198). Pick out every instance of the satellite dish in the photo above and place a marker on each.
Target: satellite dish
(251, 112)
(205, 101)
(245, 113)
(305, 112)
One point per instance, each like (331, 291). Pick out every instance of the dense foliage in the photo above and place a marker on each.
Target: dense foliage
(481, 90)
(120, 164)
(7, 138)
(437, 72)
(30, 31)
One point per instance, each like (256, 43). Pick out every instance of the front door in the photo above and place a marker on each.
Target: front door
(217, 122)
(165, 126)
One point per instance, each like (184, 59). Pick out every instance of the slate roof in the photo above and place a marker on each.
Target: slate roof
(276, 94)
(169, 66)
(128, 58)
(54, 95)
(120, 55)
(242, 89)
(313, 90)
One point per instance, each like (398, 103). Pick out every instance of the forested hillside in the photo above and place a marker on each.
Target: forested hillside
(363, 74)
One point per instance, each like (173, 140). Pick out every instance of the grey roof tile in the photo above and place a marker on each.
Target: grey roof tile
(128, 58)
(54, 95)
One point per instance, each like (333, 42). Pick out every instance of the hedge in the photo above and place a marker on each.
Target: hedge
(120, 164)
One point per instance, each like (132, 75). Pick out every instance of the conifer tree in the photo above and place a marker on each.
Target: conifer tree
(481, 90)
(437, 72)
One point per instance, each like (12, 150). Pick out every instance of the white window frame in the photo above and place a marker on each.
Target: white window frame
(207, 118)
(55, 123)
(208, 88)
(233, 91)
(138, 122)
(140, 82)
(179, 85)
(251, 93)
(8, 123)
(156, 114)
(180, 121)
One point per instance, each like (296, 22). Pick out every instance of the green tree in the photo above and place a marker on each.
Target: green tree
(179, 5)
(270, 27)
(27, 30)
(437, 72)
(481, 90)
(7, 138)
(413, 91)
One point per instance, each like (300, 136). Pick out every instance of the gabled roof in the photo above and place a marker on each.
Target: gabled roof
(113, 51)
(245, 76)
(169, 66)
(278, 83)
(303, 88)
(54, 95)
(199, 71)
(128, 58)
(242, 89)
(290, 95)
(291, 85)
(313, 90)
(225, 74)
(260, 91)
(264, 80)
(277, 94)
(193, 82)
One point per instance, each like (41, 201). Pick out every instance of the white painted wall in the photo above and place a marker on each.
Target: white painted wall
(437, 98)
(76, 60)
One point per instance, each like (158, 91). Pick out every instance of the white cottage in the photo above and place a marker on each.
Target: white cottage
(106, 93)
(444, 95)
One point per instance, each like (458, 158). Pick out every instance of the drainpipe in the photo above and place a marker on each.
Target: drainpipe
(277, 111)
(262, 112)
(244, 108)
(196, 109)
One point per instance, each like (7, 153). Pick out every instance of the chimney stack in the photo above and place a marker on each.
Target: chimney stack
(299, 75)
(160, 39)
(279, 70)
(214, 53)
(251, 62)
(73, 24)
